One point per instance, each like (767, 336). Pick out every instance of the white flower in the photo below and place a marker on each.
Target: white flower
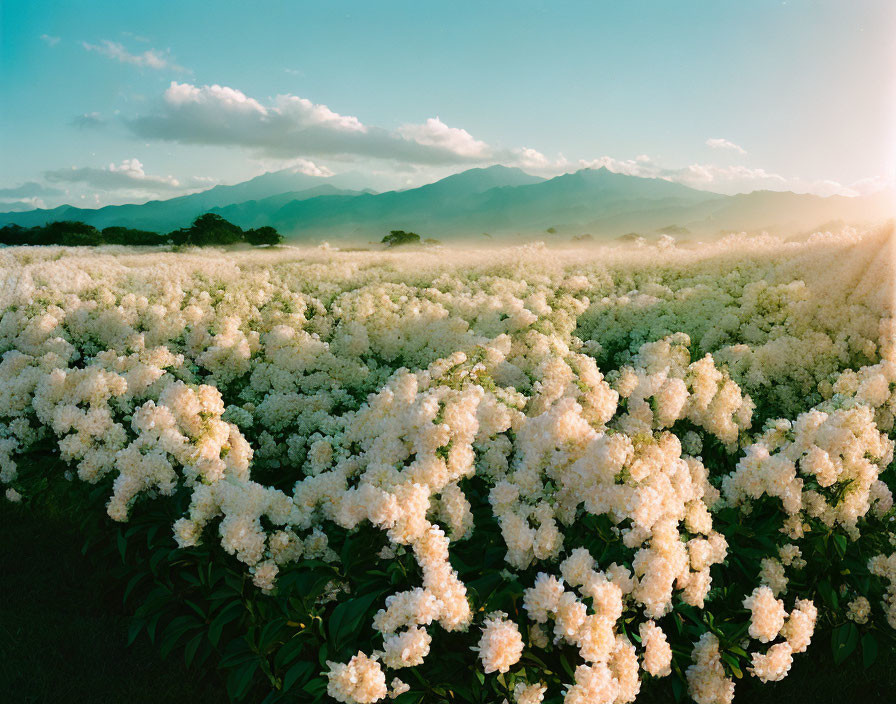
(501, 644)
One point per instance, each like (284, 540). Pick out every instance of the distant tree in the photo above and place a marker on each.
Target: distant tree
(396, 238)
(70, 233)
(75, 234)
(15, 235)
(431, 240)
(263, 235)
(210, 229)
(551, 230)
(586, 237)
(127, 235)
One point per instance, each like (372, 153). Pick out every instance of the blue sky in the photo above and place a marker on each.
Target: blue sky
(106, 102)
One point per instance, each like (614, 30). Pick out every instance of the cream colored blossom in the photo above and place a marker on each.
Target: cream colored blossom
(501, 644)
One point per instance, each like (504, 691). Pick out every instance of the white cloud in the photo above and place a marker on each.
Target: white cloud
(151, 58)
(730, 179)
(719, 143)
(307, 167)
(128, 175)
(304, 112)
(290, 126)
(179, 95)
(49, 39)
(22, 204)
(436, 133)
(26, 196)
(530, 159)
(28, 190)
(288, 131)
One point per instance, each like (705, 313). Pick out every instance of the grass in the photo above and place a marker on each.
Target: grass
(63, 635)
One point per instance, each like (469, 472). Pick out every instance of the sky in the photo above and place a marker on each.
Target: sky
(111, 102)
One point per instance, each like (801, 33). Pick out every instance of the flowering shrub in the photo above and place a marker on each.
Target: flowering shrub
(438, 476)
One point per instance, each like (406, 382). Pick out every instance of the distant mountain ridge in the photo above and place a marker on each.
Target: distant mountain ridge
(497, 200)
(173, 213)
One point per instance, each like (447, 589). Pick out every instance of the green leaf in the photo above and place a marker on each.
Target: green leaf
(844, 640)
(733, 665)
(236, 653)
(298, 672)
(346, 618)
(270, 633)
(828, 594)
(156, 559)
(485, 585)
(191, 578)
(151, 627)
(840, 543)
(122, 545)
(322, 655)
(869, 650)
(173, 632)
(134, 629)
(566, 665)
(229, 613)
(308, 584)
(677, 689)
(240, 679)
(150, 534)
(316, 687)
(289, 651)
(198, 609)
(134, 581)
(191, 647)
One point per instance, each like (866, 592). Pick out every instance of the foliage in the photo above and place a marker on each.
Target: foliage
(396, 238)
(206, 230)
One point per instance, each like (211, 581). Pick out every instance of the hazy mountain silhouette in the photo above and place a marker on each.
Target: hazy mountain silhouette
(170, 214)
(499, 200)
(599, 202)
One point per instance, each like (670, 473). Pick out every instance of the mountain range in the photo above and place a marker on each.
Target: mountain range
(498, 201)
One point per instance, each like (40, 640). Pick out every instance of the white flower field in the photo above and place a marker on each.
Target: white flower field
(521, 474)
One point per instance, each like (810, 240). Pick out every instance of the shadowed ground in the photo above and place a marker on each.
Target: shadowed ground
(63, 630)
(63, 635)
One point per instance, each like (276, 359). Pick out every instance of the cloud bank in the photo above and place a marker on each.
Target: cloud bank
(718, 143)
(731, 179)
(291, 126)
(128, 175)
(28, 190)
(151, 58)
(26, 196)
(290, 131)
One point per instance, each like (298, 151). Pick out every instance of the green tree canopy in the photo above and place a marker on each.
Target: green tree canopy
(211, 228)
(263, 235)
(396, 238)
(207, 229)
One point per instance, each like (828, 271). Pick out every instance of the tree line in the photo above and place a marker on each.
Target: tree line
(205, 230)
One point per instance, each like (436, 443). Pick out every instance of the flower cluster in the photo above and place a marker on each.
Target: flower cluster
(603, 412)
